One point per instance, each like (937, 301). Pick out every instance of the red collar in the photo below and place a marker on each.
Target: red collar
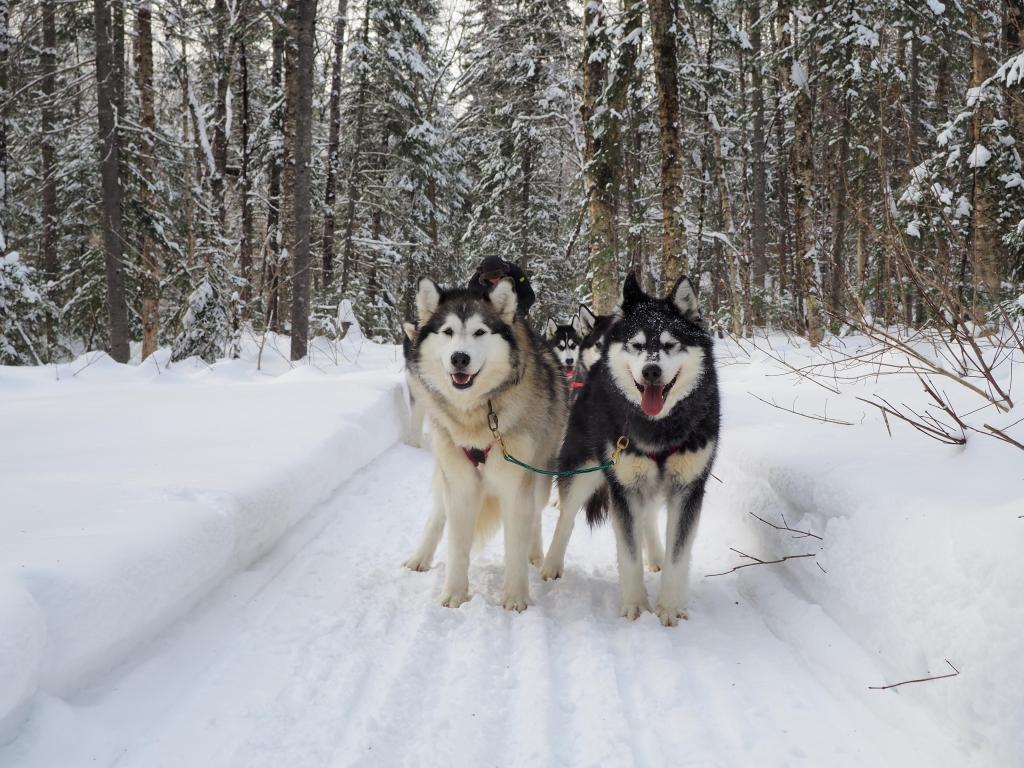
(659, 458)
(575, 384)
(477, 455)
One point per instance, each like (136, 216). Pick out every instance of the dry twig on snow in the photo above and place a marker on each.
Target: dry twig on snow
(812, 416)
(757, 561)
(785, 527)
(954, 673)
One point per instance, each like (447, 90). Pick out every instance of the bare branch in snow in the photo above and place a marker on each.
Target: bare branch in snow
(785, 527)
(954, 673)
(812, 416)
(757, 561)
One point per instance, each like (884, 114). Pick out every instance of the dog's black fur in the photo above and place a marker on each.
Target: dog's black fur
(592, 330)
(602, 413)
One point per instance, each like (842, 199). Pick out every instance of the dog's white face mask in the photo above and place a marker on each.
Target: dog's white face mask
(655, 373)
(464, 358)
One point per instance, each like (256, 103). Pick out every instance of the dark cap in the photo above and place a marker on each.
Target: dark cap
(493, 264)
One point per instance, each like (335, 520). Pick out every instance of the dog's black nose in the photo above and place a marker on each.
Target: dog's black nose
(652, 373)
(569, 361)
(460, 360)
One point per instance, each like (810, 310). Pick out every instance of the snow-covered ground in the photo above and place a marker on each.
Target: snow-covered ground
(200, 566)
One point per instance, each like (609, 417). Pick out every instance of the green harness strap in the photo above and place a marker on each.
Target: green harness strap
(492, 421)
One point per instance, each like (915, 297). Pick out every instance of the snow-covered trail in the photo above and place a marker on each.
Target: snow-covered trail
(327, 653)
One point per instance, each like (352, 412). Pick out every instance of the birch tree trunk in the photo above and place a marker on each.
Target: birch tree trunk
(109, 39)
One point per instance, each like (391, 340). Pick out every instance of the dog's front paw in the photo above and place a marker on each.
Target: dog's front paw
(670, 615)
(551, 571)
(515, 602)
(536, 560)
(654, 566)
(632, 611)
(418, 563)
(453, 599)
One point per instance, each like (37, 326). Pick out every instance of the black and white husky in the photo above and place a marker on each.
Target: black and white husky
(656, 386)
(476, 359)
(564, 341)
(592, 329)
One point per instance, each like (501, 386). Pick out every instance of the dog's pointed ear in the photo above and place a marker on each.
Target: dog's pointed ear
(577, 326)
(410, 331)
(584, 321)
(428, 296)
(550, 329)
(632, 293)
(504, 299)
(685, 299)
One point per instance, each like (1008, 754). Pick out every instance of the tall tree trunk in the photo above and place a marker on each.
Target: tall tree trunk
(221, 73)
(673, 236)
(840, 214)
(353, 187)
(758, 203)
(245, 241)
(5, 47)
(984, 245)
(147, 176)
(302, 20)
(601, 144)
(48, 58)
(333, 143)
(1013, 43)
(188, 176)
(782, 84)
(110, 39)
(628, 100)
(272, 258)
(803, 200)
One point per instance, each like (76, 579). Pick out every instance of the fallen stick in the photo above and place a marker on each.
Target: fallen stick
(757, 561)
(917, 680)
(785, 527)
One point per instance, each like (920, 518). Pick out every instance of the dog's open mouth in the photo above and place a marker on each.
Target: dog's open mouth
(652, 396)
(463, 380)
(570, 371)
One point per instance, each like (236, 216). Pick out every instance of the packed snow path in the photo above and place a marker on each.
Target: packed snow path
(328, 653)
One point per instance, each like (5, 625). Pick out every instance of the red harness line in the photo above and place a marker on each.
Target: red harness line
(659, 458)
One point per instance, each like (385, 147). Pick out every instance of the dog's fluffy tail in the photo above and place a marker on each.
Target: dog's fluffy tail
(597, 507)
(487, 522)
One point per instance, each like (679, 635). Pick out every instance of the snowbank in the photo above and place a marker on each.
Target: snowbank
(918, 558)
(129, 492)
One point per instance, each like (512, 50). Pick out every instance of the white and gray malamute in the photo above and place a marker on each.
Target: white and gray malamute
(656, 386)
(475, 359)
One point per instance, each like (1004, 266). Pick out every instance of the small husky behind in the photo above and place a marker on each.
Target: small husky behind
(656, 386)
(474, 357)
(414, 429)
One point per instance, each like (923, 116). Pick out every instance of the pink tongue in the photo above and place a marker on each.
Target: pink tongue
(653, 399)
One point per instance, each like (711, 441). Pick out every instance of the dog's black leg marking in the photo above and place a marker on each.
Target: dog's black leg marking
(620, 508)
(689, 513)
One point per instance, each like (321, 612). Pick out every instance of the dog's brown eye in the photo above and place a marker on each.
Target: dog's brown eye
(448, 332)
(638, 347)
(668, 347)
(479, 332)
